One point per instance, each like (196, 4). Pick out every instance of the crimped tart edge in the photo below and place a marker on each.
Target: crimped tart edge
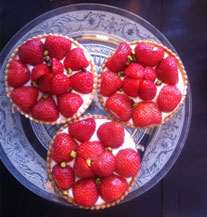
(59, 190)
(77, 114)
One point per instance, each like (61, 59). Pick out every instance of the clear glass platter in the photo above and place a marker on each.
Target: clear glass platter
(23, 143)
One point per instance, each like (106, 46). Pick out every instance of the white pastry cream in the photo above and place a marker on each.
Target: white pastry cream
(128, 143)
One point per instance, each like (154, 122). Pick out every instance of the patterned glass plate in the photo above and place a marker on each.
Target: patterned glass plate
(23, 144)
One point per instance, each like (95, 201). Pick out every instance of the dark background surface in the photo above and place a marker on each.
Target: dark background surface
(183, 191)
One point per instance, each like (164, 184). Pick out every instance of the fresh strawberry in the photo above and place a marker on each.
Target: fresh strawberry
(57, 46)
(168, 98)
(38, 71)
(104, 165)
(147, 90)
(82, 130)
(90, 150)
(57, 67)
(18, 74)
(149, 73)
(45, 83)
(76, 60)
(135, 70)
(63, 176)
(45, 110)
(148, 55)
(69, 103)
(120, 105)
(167, 70)
(83, 169)
(112, 187)
(62, 148)
(24, 97)
(60, 84)
(111, 134)
(110, 83)
(146, 114)
(118, 61)
(82, 82)
(31, 52)
(127, 162)
(131, 86)
(85, 192)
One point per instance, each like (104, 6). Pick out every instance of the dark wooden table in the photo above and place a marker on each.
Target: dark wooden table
(183, 191)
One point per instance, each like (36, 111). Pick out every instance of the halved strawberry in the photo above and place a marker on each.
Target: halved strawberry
(118, 61)
(69, 103)
(76, 60)
(24, 97)
(147, 90)
(135, 70)
(82, 130)
(60, 84)
(110, 83)
(146, 114)
(168, 98)
(131, 86)
(38, 71)
(57, 46)
(18, 73)
(149, 73)
(57, 67)
(45, 110)
(120, 105)
(82, 82)
(167, 70)
(45, 83)
(148, 55)
(31, 52)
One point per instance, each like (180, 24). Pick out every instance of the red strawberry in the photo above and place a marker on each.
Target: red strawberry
(127, 162)
(18, 74)
(118, 61)
(76, 60)
(57, 46)
(60, 84)
(38, 71)
(149, 74)
(82, 82)
(24, 97)
(135, 70)
(31, 52)
(57, 67)
(104, 165)
(82, 130)
(112, 187)
(131, 86)
(146, 114)
(62, 148)
(69, 103)
(85, 192)
(120, 105)
(148, 55)
(147, 90)
(45, 83)
(167, 70)
(110, 83)
(63, 176)
(168, 98)
(83, 169)
(90, 150)
(111, 134)
(45, 110)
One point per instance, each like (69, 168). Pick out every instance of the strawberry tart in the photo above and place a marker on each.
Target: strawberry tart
(92, 162)
(142, 84)
(50, 79)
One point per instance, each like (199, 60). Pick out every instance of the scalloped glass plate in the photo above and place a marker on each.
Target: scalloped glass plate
(23, 144)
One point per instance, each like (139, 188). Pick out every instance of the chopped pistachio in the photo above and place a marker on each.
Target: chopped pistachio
(130, 58)
(88, 162)
(121, 90)
(47, 59)
(46, 53)
(135, 105)
(63, 164)
(158, 82)
(49, 65)
(128, 62)
(109, 149)
(98, 181)
(44, 96)
(69, 71)
(65, 192)
(34, 84)
(133, 51)
(73, 154)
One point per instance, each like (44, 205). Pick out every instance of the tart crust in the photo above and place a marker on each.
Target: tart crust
(180, 67)
(60, 191)
(80, 111)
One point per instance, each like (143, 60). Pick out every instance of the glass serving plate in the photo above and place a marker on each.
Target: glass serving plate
(23, 143)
